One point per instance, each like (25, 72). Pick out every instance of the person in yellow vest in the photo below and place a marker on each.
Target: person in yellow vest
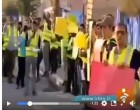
(70, 65)
(10, 48)
(4, 29)
(107, 24)
(55, 44)
(46, 37)
(31, 59)
(64, 46)
(40, 54)
(22, 39)
(81, 41)
(59, 38)
(124, 55)
(19, 27)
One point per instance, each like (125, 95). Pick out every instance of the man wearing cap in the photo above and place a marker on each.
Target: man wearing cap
(107, 30)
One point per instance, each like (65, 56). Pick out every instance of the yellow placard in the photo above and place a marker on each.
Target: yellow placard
(73, 19)
(61, 27)
(72, 27)
(80, 40)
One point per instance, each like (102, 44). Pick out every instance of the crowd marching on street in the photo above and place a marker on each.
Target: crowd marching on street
(35, 40)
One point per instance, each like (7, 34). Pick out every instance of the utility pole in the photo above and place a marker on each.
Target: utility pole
(89, 8)
(55, 4)
(89, 16)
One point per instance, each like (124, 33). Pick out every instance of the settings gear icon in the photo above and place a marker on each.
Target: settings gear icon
(104, 103)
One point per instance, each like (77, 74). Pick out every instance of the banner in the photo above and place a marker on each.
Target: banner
(81, 40)
(72, 27)
(108, 80)
(73, 19)
(61, 27)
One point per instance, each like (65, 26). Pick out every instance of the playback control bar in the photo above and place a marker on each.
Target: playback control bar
(30, 103)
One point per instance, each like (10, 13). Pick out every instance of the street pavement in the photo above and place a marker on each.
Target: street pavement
(53, 94)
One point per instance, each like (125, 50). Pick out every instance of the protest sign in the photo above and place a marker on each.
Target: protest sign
(108, 80)
(61, 26)
(72, 27)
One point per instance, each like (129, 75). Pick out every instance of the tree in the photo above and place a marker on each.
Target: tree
(26, 7)
(11, 9)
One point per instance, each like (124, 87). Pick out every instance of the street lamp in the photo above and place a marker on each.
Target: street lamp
(84, 3)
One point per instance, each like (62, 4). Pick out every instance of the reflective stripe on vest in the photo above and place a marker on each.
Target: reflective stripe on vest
(33, 45)
(124, 58)
(47, 34)
(45, 26)
(70, 47)
(55, 44)
(7, 38)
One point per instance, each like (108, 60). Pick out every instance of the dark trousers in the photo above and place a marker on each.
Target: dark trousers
(80, 86)
(70, 74)
(4, 71)
(39, 59)
(21, 71)
(54, 60)
(9, 63)
(59, 56)
(46, 55)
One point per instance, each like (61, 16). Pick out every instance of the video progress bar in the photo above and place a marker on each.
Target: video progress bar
(30, 103)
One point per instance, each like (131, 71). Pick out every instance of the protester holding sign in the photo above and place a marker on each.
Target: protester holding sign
(21, 57)
(123, 55)
(107, 29)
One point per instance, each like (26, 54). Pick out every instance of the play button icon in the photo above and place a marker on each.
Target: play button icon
(8, 103)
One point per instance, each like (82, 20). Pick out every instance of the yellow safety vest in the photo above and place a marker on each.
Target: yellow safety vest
(70, 47)
(33, 45)
(104, 56)
(47, 34)
(7, 37)
(124, 58)
(55, 44)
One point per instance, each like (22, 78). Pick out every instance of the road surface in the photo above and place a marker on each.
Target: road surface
(12, 95)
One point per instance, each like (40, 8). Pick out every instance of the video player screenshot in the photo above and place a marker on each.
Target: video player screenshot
(70, 55)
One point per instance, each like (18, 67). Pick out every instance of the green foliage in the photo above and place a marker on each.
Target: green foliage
(11, 9)
(27, 6)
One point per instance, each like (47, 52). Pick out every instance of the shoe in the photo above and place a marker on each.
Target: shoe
(38, 79)
(46, 74)
(64, 83)
(34, 93)
(10, 81)
(17, 87)
(67, 91)
(5, 76)
(13, 76)
(22, 86)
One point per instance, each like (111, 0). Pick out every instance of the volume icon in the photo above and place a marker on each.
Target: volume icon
(132, 103)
